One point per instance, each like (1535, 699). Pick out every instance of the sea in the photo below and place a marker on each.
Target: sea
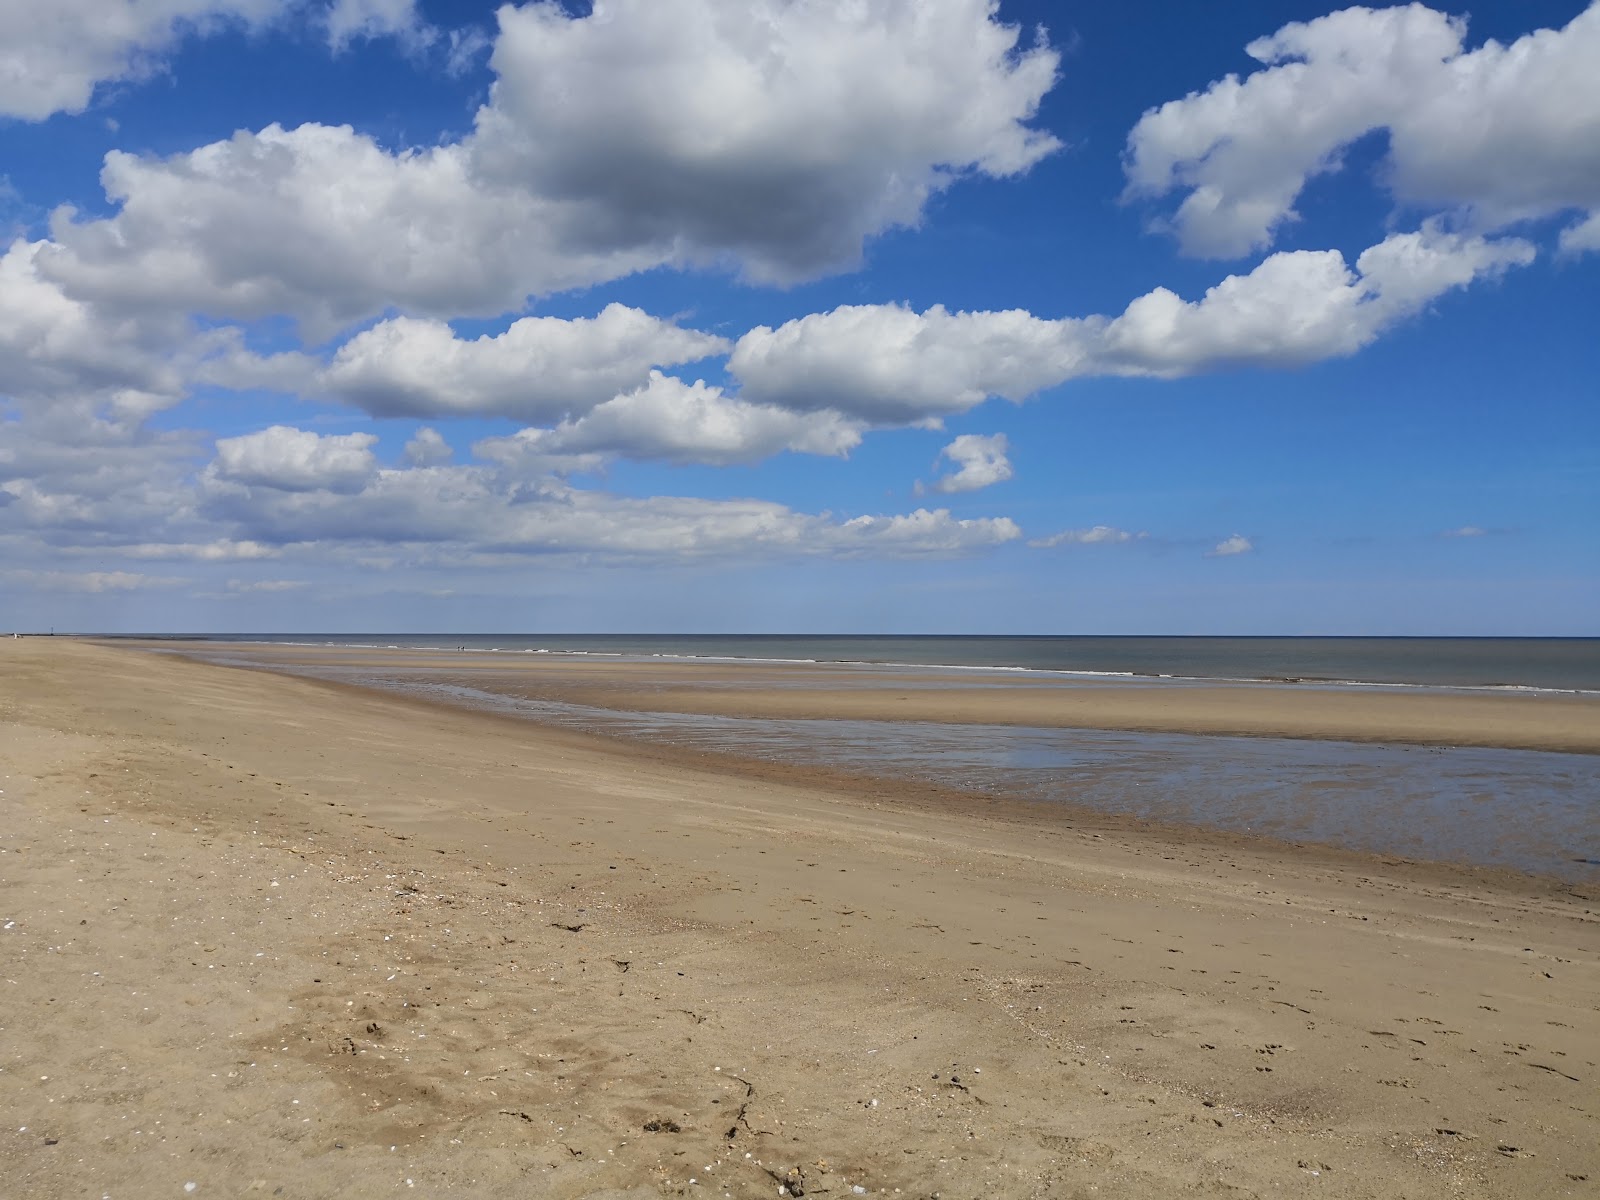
(1541, 664)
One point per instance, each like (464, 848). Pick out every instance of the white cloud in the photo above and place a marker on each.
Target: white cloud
(53, 53)
(979, 461)
(220, 550)
(229, 362)
(777, 134)
(887, 364)
(1498, 134)
(242, 587)
(1583, 236)
(465, 46)
(319, 223)
(53, 347)
(347, 20)
(1230, 546)
(781, 131)
(427, 448)
(1466, 531)
(296, 460)
(923, 533)
(88, 581)
(1098, 535)
(1299, 307)
(444, 513)
(682, 422)
(70, 475)
(540, 369)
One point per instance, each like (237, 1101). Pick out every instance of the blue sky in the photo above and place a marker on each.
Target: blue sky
(790, 315)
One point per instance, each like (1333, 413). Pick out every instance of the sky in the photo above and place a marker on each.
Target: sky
(878, 316)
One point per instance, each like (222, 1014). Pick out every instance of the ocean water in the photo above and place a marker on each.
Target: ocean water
(1552, 664)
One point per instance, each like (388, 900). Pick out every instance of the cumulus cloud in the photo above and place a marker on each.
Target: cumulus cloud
(1301, 306)
(1498, 134)
(317, 222)
(778, 135)
(1230, 546)
(427, 448)
(52, 55)
(683, 422)
(348, 20)
(540, 369)
(979, 461)
(780, 131)
(1098, 535)
(53, 346)
(887, 364)
(72, 476)
(296, 460)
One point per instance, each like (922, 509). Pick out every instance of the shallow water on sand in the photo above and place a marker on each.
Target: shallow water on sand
(1528, 810)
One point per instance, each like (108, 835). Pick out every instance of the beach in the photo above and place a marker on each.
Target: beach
(284, 935)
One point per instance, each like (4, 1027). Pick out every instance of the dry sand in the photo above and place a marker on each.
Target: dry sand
(263, 934)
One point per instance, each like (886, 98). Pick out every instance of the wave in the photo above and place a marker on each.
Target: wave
(1153, 677)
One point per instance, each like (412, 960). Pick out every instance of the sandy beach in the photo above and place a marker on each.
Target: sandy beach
(272, 935)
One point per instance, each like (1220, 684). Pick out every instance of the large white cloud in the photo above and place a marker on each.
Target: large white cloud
(780, 131)
(53, 346)
(683, 422)
(54, 52)
(887, 364)
(777, 134)
(296, 460)
(320, 223)
(1298, 307)
(69, 476)
(1499, 134)
(540, 369)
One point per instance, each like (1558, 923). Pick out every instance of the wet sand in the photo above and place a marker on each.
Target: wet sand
(1526, 810)
(1511, 719)
(268, 933)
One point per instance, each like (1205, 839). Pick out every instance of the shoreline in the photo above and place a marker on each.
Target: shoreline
(918, 795)
(1508, 720)
(887, 666)
(561, 941)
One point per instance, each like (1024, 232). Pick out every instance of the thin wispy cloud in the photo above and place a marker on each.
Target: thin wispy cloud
(1095, 535)
(1229, 547)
